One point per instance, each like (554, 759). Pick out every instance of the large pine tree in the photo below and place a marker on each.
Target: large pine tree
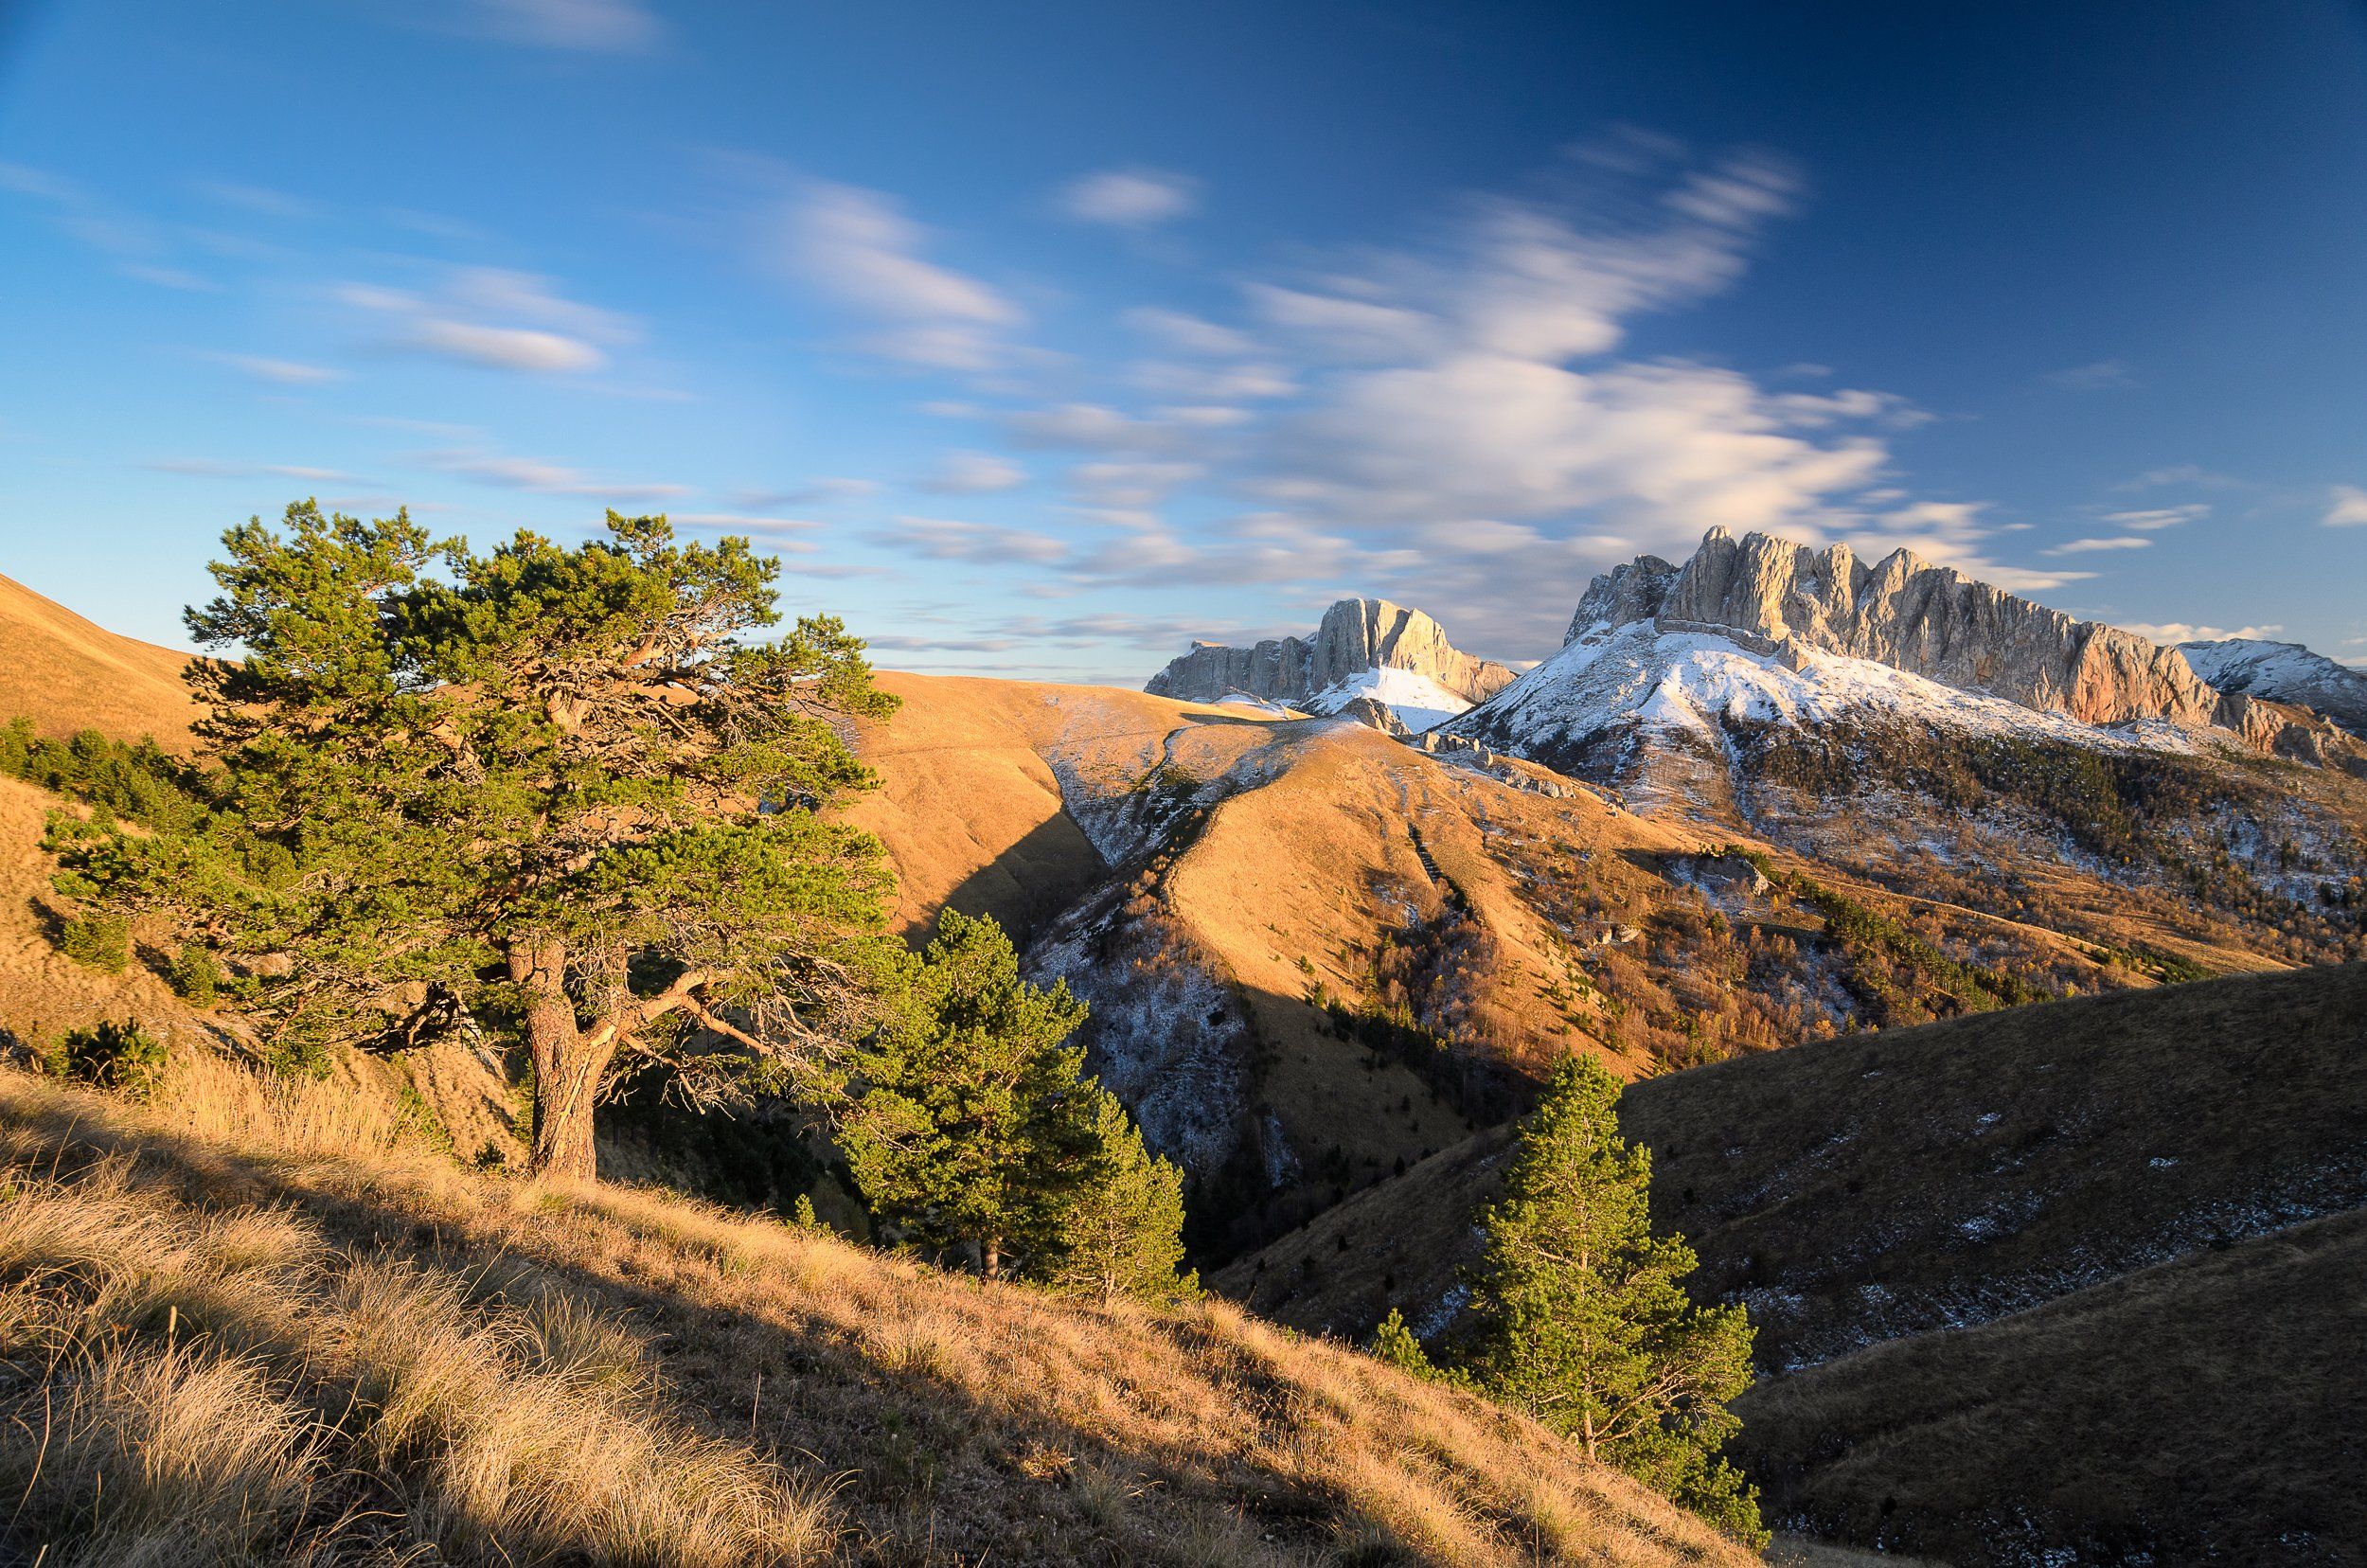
(1580, 1318)
(969, 1125)
(551, 783)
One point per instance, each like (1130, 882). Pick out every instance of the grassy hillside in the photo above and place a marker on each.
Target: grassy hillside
(2208, 1410)
(232, 1349)
(2105, 1254)
(1857, 1190)
(66, 674)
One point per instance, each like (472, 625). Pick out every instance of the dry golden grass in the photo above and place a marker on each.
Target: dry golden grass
(66, 673)
(306, 1357)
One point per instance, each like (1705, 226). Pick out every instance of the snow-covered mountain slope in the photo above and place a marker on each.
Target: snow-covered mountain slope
(2282, 672)
(1613, 683)
(1418, 702)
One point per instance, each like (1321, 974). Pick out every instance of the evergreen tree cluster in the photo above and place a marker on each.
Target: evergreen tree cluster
(556, 791)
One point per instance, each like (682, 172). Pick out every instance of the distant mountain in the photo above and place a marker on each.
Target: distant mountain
(1370, 659)
(2282, 672)
(1761, 630)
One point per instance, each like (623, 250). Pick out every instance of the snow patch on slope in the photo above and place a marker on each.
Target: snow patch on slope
(1418, 702)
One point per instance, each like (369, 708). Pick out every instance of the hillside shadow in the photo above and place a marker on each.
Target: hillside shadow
(857, 1394)
(1028, 885)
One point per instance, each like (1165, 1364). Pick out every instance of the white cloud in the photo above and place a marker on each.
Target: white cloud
(502, 347)
(543, 478)
(1091, 426)
(974, 473)
(207, 468)
(496, 319)
(597, 26)
(2102, 376)
(1129, 198)
(2092, 547)
(2153, 519)
(1189, 334)
(818, 492)
(2168, 633)
(942, 538)
(278, 371)
(2178, 474)
(858, 248)
(746, 523)
(2349, 507)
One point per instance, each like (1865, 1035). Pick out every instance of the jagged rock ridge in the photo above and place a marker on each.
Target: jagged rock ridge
(1342, 668)
(1764, 593)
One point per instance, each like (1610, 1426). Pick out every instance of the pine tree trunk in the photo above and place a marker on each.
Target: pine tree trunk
(990, 1256)
(567, 1072)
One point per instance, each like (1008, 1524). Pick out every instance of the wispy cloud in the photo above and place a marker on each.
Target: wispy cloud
(2349, 507)
(1129, 198)
(974, 473)
(2102, 376)
(496, 319)
(543, 478)
(2178, 474)
(2092, 547)
(208, 468)
(279, 372)
(2171, 633)
(942, 538)
(858, 249)
(599, 26)
(2153, 519)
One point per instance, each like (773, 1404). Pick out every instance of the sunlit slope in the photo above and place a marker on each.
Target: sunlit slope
(504, 1373)
(65, 673)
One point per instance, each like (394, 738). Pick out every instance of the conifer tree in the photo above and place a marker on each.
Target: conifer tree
(1119, 1219)
(1580, 1319)
(968, 1123)
(551, 782)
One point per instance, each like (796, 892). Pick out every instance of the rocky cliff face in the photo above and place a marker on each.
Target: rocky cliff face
(1357, 636)
(1933, 621)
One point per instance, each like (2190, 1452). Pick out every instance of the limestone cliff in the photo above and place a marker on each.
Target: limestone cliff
(1929, 620)
(1357, 637)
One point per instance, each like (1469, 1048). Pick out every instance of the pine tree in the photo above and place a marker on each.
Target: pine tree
(1118, 1227)
(1395, 1344)
(551, 784)
(1580, 1319)
(969, 1124)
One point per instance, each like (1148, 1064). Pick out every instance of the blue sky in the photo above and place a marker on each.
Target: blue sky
(1041, 339)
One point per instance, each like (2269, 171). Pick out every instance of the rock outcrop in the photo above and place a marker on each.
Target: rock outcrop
(2282, 672)
(1765, 594)
(1357, 636)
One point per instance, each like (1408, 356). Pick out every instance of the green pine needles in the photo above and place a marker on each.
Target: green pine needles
(1579, 1316)
(550, 783)
(971, 1126)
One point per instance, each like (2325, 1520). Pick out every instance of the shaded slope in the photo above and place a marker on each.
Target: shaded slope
(829, 1403)
(1866, 1187)
(66, 673)
(2211, 1409)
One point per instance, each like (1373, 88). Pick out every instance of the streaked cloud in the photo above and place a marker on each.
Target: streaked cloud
(2102, 376)
(541, 477)
(279, 372)
(495, 319)
(2153, 519)
(2092, 547)
(858, 249)
(592, 26)
(2171, 633)
(1129, 198)
(974, 473)
(943, 539)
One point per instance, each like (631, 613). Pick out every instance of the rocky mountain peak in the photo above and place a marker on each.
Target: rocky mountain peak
(1358, 639)
(1764, 593)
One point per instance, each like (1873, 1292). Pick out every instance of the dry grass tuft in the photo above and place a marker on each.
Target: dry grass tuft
(436, 1363)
